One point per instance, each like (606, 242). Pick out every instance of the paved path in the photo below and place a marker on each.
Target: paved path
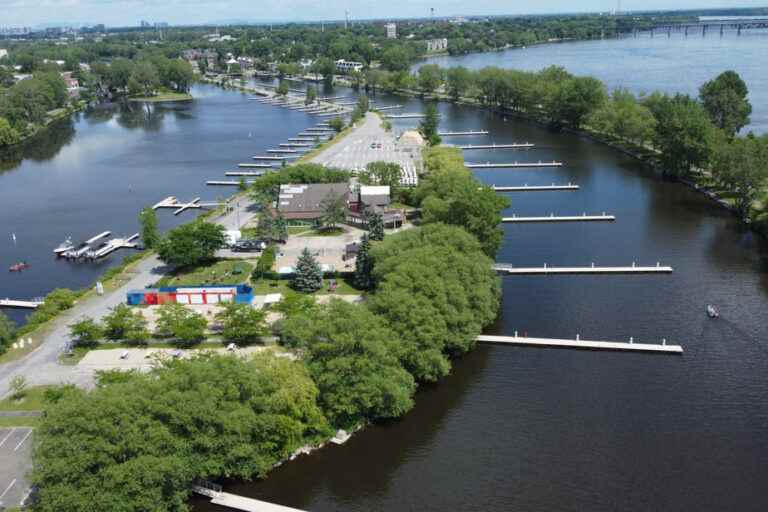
(15, 463)
(41, 366)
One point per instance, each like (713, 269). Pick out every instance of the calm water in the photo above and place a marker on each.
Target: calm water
(643, 64)
(511, 428)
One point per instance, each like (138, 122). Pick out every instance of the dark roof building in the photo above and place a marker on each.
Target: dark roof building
(303, 201)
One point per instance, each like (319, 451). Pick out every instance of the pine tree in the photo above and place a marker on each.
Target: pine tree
(375, 225)
(363, 265)
(309, 276)
(280, 228)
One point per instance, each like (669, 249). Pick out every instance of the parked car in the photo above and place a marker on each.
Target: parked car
(249, 246)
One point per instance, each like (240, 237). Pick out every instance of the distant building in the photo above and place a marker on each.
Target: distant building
(161, 24)
(437, 45)
(3, 53)
(303, 202)
(145, 24)
(391, 30)
(347, 66)
(72, 84)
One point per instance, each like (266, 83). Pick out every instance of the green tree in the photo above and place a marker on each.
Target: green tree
(458, 82)
(336, 124)
(178, 321)
(294, 303)
(8, 135)
(18, 387)
(362, 278)
(308, 276)
(429, 124)
(333, 210)
(149, 232)
(191, 244)
(572, 100)
(282, 88)
(122, 323)
(741, 166)
(350, 353)
(726, 101)
(375, 224)
(86, 332)
(145, 78)
(311, 95)
(241, 323)
(325, 67)
(624, 117)
(386, 174)
(430, 77)
(396, 58)
(280, 228)
(7, 332)
(684, 134)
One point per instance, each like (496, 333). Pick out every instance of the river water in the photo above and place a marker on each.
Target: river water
(643, 63)
(511, 428)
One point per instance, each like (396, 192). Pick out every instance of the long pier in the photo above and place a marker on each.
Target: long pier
(578, 343)
(536, 188)
(275, 158)
(23, 304)
(565, 218)
(236, 502)
(514, 165)
(244, 173)
(120, 243)
(389, 107)
(221, 183)
(295, 145)
(407, 116)
(459, 134)
(281, 151)
(519, 145)
(504, 268)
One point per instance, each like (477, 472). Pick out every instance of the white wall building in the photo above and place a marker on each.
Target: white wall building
(3, 53)
(391, 30)
(347, 66)
(437, 45)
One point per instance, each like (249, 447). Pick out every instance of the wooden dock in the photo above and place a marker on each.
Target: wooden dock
(223, 183)
(566, 218)
(514, 165)
(504, 268)
(283, 151)
(578, 343)
(23, 304)
(295, 145)
(536, 188)
(236, 502)
(463, 134)
(407, 116)
(275, 158)
(519, 145)
(119, 243)
(302, 139)
(389, 107)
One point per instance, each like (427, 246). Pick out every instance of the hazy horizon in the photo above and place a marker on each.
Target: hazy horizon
(195, 12)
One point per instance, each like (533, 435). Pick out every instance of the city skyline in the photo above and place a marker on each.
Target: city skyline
(131, 12)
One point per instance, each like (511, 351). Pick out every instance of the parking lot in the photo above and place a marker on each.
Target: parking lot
(15, 464)
(354, 152)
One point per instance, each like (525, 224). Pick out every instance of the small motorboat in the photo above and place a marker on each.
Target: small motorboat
(63, 247)
(712, 311)
(18, 267)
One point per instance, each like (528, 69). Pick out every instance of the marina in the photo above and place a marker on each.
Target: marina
(255, 166)
(244, 173)
(228, 183)
(21, 304)
(524, 145)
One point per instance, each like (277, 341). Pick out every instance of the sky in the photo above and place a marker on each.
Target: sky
(131, 12)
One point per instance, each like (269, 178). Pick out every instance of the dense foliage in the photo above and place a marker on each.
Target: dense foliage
(7, 332)
(308, 277)
(191, 244)
(137, 442)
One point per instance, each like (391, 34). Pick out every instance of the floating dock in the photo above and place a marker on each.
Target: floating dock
(302, 139)
(255, 166)
(220, 183)
(253, 174)
(463, 134)
(23, 304)
(566, 218)
(274, 158)
(514, 165)
(407, 116)
(520, 145)
(593, 269)
(536, 188)
(116, 244)
(83, 248)
(583, 344)
(280, 151)
(295, 145)
(332, 114)
(389, 107)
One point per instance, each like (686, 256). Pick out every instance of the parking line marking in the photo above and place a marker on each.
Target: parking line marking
(22, 441)
(6, 437)
(8, 488)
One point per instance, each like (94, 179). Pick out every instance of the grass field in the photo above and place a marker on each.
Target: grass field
(32, 401)
(264, 286)
(221, 272)
(19, 421)
(164, 96)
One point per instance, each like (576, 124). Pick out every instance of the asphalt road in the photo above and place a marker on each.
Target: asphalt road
(15, 464)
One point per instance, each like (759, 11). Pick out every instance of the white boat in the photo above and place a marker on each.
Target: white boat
(63, 247)
(712, 311)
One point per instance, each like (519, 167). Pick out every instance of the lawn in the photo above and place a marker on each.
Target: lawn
(264, 286)
(220, 272)
(19, 421)
(32, 401)
(164, 96)
(324, 232)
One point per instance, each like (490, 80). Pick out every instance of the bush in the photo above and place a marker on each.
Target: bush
(264, 265)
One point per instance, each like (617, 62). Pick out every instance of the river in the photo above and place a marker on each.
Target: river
(511, 428)
(644, 63)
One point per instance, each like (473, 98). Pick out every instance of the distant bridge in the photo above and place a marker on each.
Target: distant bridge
(707, 26)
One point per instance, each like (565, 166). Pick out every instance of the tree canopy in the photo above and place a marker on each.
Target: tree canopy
(191, 244)
(725, 100)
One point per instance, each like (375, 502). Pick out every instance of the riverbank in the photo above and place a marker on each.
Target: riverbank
(163, 97)
(39, 130)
